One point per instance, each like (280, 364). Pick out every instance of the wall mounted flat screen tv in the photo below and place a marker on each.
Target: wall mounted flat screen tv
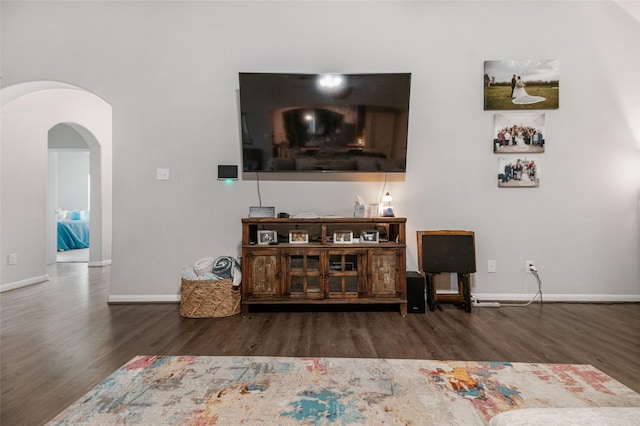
(324, 122)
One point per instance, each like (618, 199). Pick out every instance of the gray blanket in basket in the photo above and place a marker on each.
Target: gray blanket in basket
(223, 267)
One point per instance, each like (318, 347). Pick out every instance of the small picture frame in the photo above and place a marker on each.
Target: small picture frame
(514, 172)
(267, 237)
(298, 237)
(343, 237)
(369, 237)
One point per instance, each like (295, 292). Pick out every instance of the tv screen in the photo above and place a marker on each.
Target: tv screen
(324, 122)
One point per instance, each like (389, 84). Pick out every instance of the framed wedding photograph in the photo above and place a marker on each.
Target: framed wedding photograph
(515, 172)
(343, 237)
(518, 133)
(267, 237)
(298, 237)
(369, 237)
(521, 84)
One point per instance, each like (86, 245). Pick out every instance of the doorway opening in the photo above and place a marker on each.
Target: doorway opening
(70, 193)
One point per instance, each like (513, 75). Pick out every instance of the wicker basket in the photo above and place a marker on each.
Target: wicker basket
(209, 299)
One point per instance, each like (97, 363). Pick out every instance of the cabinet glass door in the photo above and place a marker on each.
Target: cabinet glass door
(344, 271)
(303, 271)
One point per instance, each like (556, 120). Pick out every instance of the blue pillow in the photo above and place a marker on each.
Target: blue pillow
(74, 215)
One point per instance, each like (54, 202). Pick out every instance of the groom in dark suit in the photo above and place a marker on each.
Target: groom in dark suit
(513, 84)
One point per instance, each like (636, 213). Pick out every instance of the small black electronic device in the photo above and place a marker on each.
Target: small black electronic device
(227, 171)
(283, 215)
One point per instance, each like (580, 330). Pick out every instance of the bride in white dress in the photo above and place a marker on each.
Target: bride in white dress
(521, 97)
(519, 142)
(525, 179)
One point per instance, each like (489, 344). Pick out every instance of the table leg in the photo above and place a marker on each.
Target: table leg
(431, 293)
(466, 291)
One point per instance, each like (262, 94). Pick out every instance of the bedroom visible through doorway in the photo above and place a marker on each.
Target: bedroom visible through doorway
(70, 191)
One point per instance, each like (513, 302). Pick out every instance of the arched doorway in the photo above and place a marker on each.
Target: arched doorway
(29, 111)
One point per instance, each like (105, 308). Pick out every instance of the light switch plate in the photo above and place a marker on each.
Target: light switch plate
(162, 174)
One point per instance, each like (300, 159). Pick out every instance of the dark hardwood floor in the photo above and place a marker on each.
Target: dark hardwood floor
(61, 338)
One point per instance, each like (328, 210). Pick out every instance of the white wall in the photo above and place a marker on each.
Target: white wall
(170, 72)
(73, 182)
(71, 163)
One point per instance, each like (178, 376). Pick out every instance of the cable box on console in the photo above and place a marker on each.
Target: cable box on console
(262, 211)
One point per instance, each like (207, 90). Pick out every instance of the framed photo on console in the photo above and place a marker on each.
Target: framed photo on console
(343, 237)
(369, 237)
(267, 237)
(298, 237)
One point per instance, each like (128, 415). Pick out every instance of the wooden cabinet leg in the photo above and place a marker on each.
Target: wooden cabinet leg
(466, 291)
(431, 293)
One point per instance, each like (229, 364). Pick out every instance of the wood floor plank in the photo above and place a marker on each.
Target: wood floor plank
(59, 339)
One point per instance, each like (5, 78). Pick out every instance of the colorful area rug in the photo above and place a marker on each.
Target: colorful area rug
(190, 390)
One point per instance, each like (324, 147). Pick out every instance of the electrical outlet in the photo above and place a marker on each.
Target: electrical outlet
(491, 266)
(529, 265)
(12, 259)
(162, 174)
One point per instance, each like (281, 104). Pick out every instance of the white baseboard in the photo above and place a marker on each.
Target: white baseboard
(23, 283)
(584, 298)
(100, 263)
(144, 298)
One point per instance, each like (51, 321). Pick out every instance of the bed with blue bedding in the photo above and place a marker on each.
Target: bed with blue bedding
(73, 234)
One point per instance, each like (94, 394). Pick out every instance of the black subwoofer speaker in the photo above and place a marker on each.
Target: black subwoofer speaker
(416, 301)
